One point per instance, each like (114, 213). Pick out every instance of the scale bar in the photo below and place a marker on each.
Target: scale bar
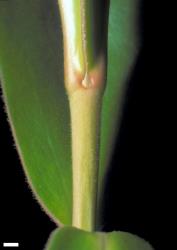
(8, 244)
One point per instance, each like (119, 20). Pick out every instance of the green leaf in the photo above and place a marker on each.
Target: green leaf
(123, 48)
(75, 239)
(31, 68)
(31, 71)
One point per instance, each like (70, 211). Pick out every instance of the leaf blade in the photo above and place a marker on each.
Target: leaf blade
(123, 48)
(31, 72)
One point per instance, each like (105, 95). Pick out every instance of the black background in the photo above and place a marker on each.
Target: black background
(136, 193)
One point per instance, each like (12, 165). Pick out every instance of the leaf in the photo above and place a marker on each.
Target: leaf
(31, 66)
(75, 239)
(123, 48)
(31, 70)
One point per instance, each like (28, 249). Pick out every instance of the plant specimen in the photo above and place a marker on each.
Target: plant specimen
(63, 66)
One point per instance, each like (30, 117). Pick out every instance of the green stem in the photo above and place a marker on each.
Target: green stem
(85, 107)
(84, 24)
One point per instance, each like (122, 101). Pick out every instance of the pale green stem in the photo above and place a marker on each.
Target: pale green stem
(85, 106)
(84, 25)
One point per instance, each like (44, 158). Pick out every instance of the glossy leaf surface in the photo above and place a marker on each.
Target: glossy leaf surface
(31, 72)
(74, 239)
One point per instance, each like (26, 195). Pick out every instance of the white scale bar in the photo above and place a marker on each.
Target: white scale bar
(8, 244)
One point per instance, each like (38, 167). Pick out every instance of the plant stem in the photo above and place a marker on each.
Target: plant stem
(85, 107)
(84, 25)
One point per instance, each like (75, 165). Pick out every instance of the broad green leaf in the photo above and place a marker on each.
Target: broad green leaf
(74, 239)
(31, 68)
(31, 71)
